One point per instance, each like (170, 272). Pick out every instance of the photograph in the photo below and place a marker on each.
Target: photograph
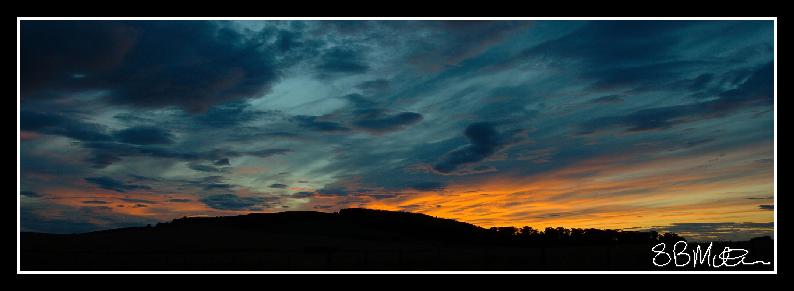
(380, 145)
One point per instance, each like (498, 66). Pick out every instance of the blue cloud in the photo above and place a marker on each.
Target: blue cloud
(484, 141)
(115, 185)
(144, 135)
(232, 202)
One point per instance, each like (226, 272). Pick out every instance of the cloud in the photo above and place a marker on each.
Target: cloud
(115, 185)
(31, 194)
(144, 135)
(333, 191)
(56, 51)
(106, 153)
(204, 184)
(135, 200)
(95, 202)
(374, 86)
(222, 162)
(204, 168)
(231, 114)
(363, 115)
(232, 202)
(179, 200)
(189, 64)
(701, 82)
(601, 43)
(59, 124)
(755, 91)
(267, 152)
(278, 186)
(428, 186)
(449, 43)
(359, 101)
(761, 198)
(484, 141)
(377, 121)
(769, 207)
(312, 123)
(608, 99)
(342, 60)
(303, 194)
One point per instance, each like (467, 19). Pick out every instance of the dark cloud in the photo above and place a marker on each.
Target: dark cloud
(378, 121)
(60, 124)
(359, 101)
(267, 152)
(95, 202)
(333, 191)
(217, 186)
(303, 194)
(135, 200)
(232, 114)
(765, 161)
(484, 141)
(31, 194)
(694, 143)
(761, 198)
(701, 81)
(312, 123)
(179, 200)
(374, 86)
(58, 51)
(106, 153)
(189, 64)
(608, 99)
(428, 186)
(603, 43)
(204, 168)
(769, 207)
(231, 202)
(363, 115)
(278, 186)
(612, 55)
(449, 43)
(144, 135)
(222, 162)
(115, 185)
(755, 91)
(663, 76)
(208, 183)
(342, 60)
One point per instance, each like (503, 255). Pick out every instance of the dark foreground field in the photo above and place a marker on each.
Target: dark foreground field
(358, 239)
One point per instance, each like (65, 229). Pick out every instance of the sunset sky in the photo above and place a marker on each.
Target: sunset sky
(639, 125)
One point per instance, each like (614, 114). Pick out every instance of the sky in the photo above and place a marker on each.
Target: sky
(636, 125)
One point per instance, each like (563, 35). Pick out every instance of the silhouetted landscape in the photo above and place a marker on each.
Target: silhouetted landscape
(356, 239)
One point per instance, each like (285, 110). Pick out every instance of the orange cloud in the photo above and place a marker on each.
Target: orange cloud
(616, 191)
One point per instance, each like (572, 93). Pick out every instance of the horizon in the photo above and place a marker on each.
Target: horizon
(339, 212)
(631, 125)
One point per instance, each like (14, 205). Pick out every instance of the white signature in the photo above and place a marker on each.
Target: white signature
(729, 257)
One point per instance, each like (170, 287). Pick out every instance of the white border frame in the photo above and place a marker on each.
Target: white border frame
(682, 271)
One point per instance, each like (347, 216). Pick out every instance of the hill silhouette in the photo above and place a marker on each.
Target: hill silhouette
(351, 239)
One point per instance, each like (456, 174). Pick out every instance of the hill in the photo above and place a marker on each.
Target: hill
(351, 239)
